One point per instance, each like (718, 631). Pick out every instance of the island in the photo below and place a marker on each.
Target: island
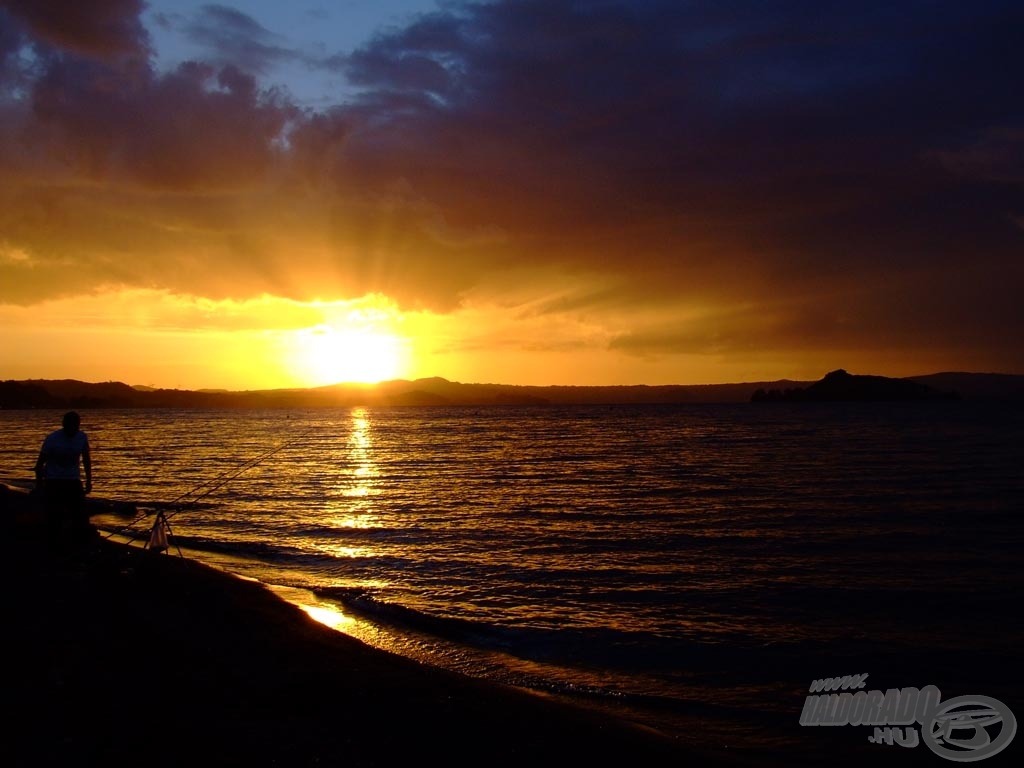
(841, 386)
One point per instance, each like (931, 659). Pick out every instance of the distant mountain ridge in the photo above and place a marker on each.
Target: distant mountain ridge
(71, 393)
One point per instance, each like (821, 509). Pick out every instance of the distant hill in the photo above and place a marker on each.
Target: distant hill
(840, 386)
(70, 393)
(977, 386)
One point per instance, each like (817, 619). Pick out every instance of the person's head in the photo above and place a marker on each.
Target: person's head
(71, 422)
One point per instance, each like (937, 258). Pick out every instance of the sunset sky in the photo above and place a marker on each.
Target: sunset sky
(262, 194)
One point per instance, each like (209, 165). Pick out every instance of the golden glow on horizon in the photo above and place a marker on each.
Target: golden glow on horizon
(330, 355)
(162, 339)
(358, 342)
(324, 228)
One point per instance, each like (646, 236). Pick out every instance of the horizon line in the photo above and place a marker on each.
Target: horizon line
(383, 382)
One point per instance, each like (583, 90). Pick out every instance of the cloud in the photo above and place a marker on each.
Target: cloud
(99, 28)
(781, 166)
(236, 39)
(997, 155)
(195, 128)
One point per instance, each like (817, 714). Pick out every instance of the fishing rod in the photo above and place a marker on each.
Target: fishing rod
(228, 475)
(160, 533)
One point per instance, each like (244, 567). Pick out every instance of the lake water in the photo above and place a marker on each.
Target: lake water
(695, 564)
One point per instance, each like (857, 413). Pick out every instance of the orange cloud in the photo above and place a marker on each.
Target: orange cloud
(647, 182)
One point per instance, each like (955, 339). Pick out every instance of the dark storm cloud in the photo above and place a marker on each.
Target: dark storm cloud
(738, 113)
(114, 174)
(101, 28)
(196, 128)
(412, 60)
(727, 150)
(820, 172)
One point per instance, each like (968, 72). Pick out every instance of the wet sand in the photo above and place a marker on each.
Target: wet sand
(120, 656)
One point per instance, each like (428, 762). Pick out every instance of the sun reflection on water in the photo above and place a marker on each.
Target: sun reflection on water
(357, 484)
(329, 616)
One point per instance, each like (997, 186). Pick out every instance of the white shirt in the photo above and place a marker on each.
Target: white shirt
(63, 454)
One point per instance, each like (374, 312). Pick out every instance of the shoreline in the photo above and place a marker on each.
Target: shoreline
(123, 656)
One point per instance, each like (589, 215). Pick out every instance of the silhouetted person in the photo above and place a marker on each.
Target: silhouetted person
(58, 475)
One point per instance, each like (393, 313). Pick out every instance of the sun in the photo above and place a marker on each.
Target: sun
(330, 355)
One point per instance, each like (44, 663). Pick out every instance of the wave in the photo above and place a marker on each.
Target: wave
(586, 648)
(361, 602)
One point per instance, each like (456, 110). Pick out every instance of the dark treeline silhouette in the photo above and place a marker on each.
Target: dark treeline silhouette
(72, 394)
(69, 393)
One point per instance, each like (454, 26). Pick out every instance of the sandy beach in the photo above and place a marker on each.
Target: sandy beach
(120, 656)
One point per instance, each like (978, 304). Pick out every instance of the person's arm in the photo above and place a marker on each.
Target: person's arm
(87, 463)
(40, 464)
